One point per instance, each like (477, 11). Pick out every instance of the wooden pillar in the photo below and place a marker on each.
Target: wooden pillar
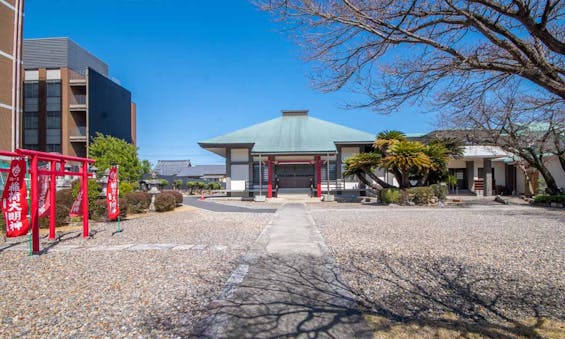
(318, 177)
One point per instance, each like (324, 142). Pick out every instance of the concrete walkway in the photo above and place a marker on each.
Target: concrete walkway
(287, 286)
(216, 207)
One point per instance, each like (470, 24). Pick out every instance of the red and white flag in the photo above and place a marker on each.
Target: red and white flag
(76, 209)
(14, 200)
(44, 200)
(112, 194)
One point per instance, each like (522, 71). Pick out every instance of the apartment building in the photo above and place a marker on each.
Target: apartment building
(69, 98)
(11, 24)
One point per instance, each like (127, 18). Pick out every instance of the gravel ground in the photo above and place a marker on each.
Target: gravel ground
(485, 270)
(248, 204)
(156, 293)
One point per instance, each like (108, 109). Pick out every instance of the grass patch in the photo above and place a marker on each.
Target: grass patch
(451, 326)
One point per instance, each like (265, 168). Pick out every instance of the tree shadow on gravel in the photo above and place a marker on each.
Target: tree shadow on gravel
(395, 296)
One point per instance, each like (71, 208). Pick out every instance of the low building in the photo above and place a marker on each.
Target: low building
(171, 167)
(207, 173)
(297, 152)
(69, 98)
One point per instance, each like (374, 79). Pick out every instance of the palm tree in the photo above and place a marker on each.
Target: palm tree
(386, 139)
(404, 158)
(364, 164)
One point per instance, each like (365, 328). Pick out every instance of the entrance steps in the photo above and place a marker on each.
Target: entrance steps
(295, 194)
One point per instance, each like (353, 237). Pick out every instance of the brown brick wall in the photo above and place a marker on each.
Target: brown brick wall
(6, 29)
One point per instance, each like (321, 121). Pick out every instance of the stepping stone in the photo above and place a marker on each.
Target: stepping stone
(148, 247)
(182, 247)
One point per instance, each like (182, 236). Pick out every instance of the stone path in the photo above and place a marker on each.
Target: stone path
(125, 247)
(287, 286)
(215, 207)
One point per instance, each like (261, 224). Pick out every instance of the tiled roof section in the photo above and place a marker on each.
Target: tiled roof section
(171, 167)
(292, 133)
(468, 136)
(202, 170)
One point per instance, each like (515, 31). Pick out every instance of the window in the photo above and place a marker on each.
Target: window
(265, 174)
(54, 89)
(31, 94)
(53, 148)
(332, 170)
(53, 136)
(31, 120)
(31, 89)
(31, 136)
(54, 120)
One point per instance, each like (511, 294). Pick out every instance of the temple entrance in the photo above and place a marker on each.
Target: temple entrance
(294, 175)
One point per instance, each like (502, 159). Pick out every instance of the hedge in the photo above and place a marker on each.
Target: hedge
(390, 196)
(99, 212)
(165, 202)
(178, 196)
(138, 202)
(548, 199)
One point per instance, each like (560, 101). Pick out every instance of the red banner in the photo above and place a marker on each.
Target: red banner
(14, 200)
(76, 209)
(112, 194)
(44, 201)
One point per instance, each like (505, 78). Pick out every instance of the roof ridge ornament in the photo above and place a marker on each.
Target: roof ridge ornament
(294, 113)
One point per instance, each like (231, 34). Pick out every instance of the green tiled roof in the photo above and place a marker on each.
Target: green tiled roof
(292, 134)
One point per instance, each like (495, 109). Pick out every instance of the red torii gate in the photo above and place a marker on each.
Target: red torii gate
(54, 159)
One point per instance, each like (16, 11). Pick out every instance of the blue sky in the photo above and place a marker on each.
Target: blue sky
(199, 69)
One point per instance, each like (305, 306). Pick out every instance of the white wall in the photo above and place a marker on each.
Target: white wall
(348, 152)
(499, 173)
(239, 154)
(239, 177)
(555, 169)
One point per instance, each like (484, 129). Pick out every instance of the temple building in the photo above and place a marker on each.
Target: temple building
(297, 153)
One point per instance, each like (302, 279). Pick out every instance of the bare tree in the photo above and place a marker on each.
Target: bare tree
(459, 57)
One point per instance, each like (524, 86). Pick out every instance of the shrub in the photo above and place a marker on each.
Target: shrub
(422, 195)
(440, 191)
(164, 202)
(164, 182)
(214, 186)
(177, 183)
(138, 202)
(65, 198)
(390, 196)
(100, 212)
(178, 196)
(191, 185)
(548, 199)
(125, 188)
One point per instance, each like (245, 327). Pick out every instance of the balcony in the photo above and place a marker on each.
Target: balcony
(78, 134)
(76, 79)
(77, 102)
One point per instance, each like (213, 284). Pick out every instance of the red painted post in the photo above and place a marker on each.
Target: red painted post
(270, 183)
(85, 199)
(318, 177)
(52, 198)
(34, 213)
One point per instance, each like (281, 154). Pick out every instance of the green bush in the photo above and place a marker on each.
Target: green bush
(548, 199)
(214, 186)
(99, 212)
(138, 202)
(178, 196)
(164, 182)
(191, 185)
(440, 191)
(422, 195)
(164, 202)
(125, 188)
(390, 196)
(65, 197)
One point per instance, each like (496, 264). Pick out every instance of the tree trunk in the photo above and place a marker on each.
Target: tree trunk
(379, 181)
(366, 182)
(537, 163)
